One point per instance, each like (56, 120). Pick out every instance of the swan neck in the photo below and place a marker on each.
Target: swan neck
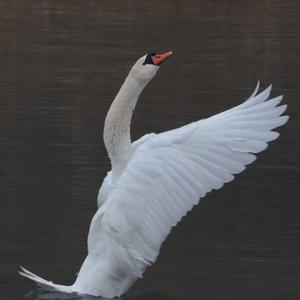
(116, 135)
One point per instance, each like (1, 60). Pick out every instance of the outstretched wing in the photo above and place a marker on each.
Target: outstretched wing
(171, 171)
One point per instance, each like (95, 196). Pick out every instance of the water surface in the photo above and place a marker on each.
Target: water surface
(61, 64)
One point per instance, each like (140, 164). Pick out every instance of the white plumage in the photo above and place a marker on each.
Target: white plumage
(156, 180)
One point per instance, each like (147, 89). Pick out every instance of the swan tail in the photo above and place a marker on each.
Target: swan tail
(43, 283)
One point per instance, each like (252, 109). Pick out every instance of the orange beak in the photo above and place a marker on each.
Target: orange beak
(158, 59)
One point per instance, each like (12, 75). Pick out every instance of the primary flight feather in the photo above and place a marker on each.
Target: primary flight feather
(157, 179)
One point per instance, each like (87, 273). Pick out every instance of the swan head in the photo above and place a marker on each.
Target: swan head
(147, 66)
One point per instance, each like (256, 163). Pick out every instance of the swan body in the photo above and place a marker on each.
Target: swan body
(156, 180)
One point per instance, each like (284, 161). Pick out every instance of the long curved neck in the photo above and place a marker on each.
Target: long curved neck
(117, 124)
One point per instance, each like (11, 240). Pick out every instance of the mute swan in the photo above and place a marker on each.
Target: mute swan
(156, 180)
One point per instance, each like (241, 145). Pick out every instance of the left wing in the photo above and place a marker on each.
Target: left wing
(171, 171)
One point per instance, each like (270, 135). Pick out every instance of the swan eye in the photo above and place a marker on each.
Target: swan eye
(148, 60)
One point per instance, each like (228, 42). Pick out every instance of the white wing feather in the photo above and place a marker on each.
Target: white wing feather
(171, 171)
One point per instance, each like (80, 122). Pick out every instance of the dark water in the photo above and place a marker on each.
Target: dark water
(61, 64)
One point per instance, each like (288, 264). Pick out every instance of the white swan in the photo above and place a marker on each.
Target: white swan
(156, 180)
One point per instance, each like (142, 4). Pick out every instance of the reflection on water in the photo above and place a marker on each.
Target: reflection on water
(40, 294)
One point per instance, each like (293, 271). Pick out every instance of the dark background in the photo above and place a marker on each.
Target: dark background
(61, 64)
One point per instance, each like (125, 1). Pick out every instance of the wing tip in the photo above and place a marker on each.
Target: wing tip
(284, 119)
(255, 90)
